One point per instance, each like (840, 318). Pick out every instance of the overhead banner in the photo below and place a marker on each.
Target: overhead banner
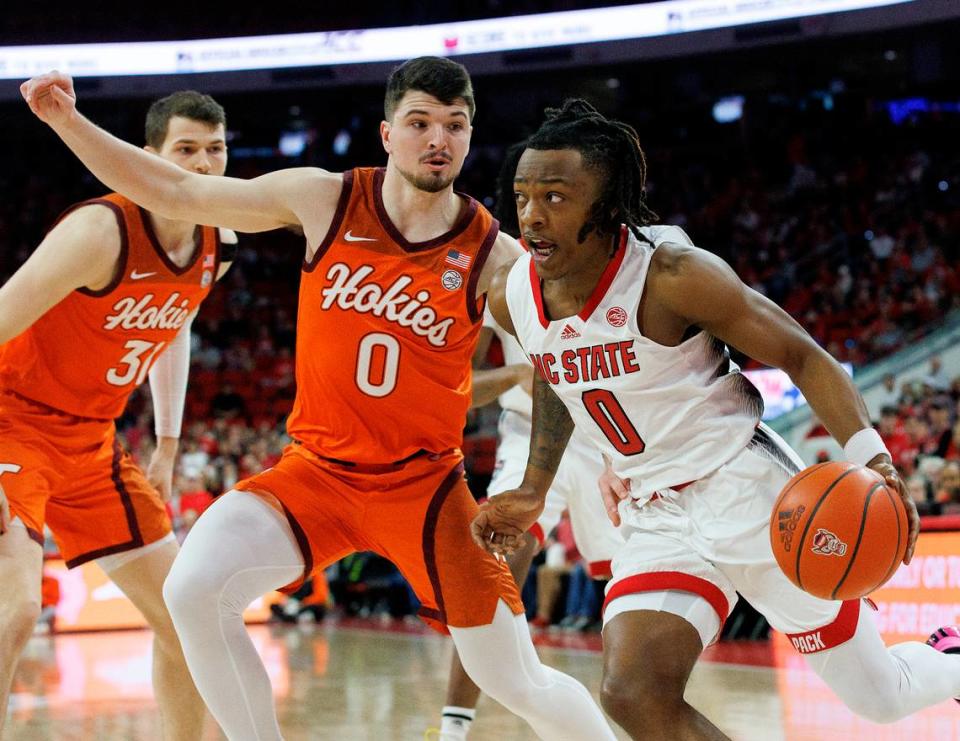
(390, 44)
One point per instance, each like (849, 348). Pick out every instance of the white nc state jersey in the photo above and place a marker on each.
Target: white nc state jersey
(665, 416)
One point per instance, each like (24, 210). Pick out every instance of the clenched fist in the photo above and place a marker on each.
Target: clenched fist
(503, 520)
(51, 97)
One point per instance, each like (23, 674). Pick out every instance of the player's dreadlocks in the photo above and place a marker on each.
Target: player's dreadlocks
(613, 148)
(506, 207)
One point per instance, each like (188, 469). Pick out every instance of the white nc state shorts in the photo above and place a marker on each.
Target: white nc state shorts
(574, 487)
(711, 539)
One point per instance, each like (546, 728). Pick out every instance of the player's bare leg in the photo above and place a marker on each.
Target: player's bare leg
(181, 708)
(647, 660)
(21, 564)
(461, 690)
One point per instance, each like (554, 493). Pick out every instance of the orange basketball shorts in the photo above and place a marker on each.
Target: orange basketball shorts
(416, 514)
(71, 474)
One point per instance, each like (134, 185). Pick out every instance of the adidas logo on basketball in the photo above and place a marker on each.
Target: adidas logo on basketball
(787, 522)
(569, 333)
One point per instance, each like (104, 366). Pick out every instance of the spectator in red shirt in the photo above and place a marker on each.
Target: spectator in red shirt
(894, 436)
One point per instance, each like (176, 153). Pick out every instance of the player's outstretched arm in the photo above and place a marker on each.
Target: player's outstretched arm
(268, 202)
(503, 519)
(82, 250)
(702, 289)
(488, 383)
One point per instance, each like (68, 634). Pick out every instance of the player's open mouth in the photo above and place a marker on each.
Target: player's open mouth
(437, 163)
(540, 248)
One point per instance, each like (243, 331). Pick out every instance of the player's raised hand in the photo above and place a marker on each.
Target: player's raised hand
(4, 512)
(503, 520)
(51, 97)
(613, 489)
(883, 466)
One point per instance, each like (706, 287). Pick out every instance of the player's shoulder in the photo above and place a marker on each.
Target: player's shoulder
(675, 252)
(97, 226)
(503, 255)
(665, 233)
(506, 256)
(679, 272)
(497, 301)
(506, 249)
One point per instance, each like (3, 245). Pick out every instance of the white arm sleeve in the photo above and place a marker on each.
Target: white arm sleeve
(168, 383)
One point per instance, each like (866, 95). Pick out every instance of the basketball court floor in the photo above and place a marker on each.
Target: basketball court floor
(353, 680)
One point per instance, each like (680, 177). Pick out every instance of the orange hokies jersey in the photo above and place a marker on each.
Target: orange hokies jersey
(89, 352)
(386, 331)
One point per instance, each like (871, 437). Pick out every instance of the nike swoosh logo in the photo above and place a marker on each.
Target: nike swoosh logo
(140, 276)
(350, 238)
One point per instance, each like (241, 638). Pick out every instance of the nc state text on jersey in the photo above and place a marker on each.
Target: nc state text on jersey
(588, 363)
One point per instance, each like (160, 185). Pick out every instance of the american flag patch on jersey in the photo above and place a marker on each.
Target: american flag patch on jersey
(208, 261)
(458, 259)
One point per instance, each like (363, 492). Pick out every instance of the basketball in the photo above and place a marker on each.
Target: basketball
(838, 531)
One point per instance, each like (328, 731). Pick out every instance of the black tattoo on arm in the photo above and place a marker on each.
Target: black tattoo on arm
(552, 427)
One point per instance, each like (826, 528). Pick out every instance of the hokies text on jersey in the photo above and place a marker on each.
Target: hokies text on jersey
(133, 313)
(588, 363)
(351, 291)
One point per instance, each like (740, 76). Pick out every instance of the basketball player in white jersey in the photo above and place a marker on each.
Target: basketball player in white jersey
(649, 381)
(574, 488)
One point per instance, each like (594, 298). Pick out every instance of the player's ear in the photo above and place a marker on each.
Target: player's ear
(385, 135)
(152, 150)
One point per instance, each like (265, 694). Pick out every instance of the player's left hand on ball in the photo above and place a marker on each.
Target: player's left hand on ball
(885, 468)
(503, 519)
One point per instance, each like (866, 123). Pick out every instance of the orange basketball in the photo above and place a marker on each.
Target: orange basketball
(838, 531)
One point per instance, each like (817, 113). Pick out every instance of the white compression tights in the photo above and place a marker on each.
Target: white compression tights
(501, 660)
(884, 684)
(241, 548)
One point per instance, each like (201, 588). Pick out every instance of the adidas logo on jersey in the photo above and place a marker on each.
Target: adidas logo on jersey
(569, 333)
(349, 291)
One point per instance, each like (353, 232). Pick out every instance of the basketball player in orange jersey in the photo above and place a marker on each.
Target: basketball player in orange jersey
(105, 301)
(648, 379)
(391, 303)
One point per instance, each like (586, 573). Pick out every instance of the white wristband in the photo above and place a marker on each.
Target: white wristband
(864, 445)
